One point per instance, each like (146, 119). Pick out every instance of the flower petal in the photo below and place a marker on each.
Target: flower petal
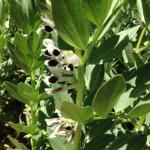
(71, 58)
(47, 42)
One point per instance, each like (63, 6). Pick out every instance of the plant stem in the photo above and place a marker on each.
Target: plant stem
(80, 86)
(33, 123)
(79, 102)
(140, 40)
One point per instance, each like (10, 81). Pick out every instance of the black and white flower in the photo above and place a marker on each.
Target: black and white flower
(62, 127)
(48, 25)
(61, 65)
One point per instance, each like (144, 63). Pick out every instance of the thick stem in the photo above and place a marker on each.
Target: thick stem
(79, 102)
(33, 121)
(80, 86)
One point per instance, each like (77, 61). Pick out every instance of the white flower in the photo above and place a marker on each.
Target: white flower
(54, 67)
(48, 23)
(71, 58)
(62, 127)
(51, 91)
(51, 50)
(61, 65)
(48, 42)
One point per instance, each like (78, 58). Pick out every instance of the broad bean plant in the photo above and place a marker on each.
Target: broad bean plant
(75, 74)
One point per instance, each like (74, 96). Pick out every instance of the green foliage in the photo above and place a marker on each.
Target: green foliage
(17, 144)
(144, 10)
(108, 95)
(97, 10)
(22, 92)
(80, 114)
(72, 27)
(23, 128)
(27, 19)
(140, 110)
(26, 50)
(101, 97)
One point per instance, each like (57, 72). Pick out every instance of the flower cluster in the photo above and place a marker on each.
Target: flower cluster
(61, 65)
(62, 127)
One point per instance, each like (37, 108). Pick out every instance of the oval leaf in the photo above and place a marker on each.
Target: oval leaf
(71, 23)
(108, 95)
(23, 128)
(72, 111)
(140, 110)
(108, 50)
(13, 91)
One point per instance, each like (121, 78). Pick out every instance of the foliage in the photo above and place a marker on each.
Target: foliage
(94, 92)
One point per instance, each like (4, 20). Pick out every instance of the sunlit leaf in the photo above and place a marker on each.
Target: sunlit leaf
(71, 26)
(74, 112)
(108, 95)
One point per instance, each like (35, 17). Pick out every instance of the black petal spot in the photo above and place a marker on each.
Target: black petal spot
(47, 53)
(53, 63)
(68, 128)
(70, 66)
(48, 29)
(56, 52)
(53, 79)
(128, 125)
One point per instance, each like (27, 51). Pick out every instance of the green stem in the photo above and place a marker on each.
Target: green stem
(80, 86)
(33, 123)
(140, 40)
(79, 102)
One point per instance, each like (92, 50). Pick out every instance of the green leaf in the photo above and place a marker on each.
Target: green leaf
(99, 142)
(128, 142)
(142, 76)
(76, 113)
(1, 8)
(131, 32)
(108, 95)
(17, 144)
(23, 128)
(21, 53)
(112, 47)
(97, 10)
(35, 44)
(28, 92)
(140, 109)
(26, 7)
(3, 43)
(3, 12)
(71, 26)
(93, 78)
(27, 19)
(99, 127)
(144, 10)
(124, 101)
(137, 142)
(26, 51)
(13, 91)
(108, 50)
(20, 19)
